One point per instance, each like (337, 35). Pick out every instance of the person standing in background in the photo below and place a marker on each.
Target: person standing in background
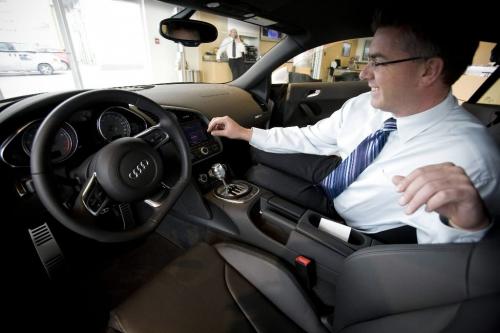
(234, 48)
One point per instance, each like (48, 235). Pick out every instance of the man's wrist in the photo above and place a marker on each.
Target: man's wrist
(449, 222)
(246, 134)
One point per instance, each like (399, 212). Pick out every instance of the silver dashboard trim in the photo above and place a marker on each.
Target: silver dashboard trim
(9, 140)
(23, 128)
(130, 109)
(85, 191)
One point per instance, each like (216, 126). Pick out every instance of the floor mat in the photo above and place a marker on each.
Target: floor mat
(185, 234)
(138, 265)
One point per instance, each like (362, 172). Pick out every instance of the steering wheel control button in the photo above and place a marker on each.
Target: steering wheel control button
(203, 178)
(94, 198)
(155, 137)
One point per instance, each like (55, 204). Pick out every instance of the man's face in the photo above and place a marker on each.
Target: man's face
(393, 86)
(233, 33)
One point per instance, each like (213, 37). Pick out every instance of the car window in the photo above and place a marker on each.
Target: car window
(333, 62)
(476, 74)
(492, 95)
(86, 47)
(344, 60)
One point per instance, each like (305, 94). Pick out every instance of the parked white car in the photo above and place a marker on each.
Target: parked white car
(16, 59)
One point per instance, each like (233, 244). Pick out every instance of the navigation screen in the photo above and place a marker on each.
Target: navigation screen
(195, 133)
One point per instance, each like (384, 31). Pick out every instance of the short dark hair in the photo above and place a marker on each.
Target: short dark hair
(427, 34)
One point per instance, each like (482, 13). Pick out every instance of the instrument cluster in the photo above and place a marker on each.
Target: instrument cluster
(86, 129)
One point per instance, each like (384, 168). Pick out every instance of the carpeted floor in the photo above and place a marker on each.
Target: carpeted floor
(134, 268)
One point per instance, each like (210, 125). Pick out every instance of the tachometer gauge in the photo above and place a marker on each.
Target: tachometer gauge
(63, 146)
(113, 125)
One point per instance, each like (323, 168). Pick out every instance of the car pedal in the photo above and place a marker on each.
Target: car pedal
(48, 250)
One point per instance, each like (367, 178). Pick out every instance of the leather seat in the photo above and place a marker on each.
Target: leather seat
(390, 288)
(489, 115)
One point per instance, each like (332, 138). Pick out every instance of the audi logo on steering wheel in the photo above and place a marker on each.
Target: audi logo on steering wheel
(138, 169)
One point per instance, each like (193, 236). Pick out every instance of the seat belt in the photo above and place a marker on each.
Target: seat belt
(495, 121)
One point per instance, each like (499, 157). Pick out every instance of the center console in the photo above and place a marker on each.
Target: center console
(194, 125)
(256, 216)
(278, 226)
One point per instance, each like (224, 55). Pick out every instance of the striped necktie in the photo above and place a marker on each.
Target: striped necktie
(364, 154)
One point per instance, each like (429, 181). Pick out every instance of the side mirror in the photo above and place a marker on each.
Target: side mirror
(188, 32)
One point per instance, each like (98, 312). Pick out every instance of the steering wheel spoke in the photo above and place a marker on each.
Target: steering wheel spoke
(155, 136)
(155, 200)
(94, 198)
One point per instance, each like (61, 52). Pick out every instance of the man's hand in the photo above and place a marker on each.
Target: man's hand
(225, 126)
(447, 190)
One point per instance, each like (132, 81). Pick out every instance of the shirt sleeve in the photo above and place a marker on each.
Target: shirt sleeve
(434, 231)
(222, 47)
(318, 139)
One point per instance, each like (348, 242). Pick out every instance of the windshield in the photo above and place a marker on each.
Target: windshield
(54, 45)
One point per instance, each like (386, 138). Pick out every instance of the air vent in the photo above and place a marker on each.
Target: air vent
(136, 88)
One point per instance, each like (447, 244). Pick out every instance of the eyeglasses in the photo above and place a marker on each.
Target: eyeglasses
(374, 63)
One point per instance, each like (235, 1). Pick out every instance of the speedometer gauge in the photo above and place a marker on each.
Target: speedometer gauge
(63, 146)
(113, 125)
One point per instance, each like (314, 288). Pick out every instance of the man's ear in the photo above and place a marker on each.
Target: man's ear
(432, 71)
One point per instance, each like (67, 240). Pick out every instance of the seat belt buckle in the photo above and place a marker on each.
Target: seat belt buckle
(306, 270)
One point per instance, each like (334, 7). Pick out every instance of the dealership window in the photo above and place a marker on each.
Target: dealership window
(61, 45)
(68, 44)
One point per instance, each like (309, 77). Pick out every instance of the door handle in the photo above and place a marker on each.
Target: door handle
(313, 93)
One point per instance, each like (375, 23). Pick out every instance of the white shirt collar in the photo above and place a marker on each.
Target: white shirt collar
(411, 126)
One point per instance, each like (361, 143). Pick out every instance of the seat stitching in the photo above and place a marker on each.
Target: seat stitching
(467, 270)
(373, 252)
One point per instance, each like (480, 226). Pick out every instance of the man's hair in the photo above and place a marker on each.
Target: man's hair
(428, 34)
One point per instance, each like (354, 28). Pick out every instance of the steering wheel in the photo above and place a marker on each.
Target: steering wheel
(126, 170)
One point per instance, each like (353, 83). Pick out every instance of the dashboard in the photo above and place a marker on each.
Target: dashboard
(88, 130)
(92, 127)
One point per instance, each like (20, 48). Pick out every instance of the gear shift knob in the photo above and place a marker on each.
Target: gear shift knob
(219, 171)
(228, 192)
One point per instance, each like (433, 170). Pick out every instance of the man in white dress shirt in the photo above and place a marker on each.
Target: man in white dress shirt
(234, 48)
(438, 172)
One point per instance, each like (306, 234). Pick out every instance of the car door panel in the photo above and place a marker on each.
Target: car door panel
(302, 104)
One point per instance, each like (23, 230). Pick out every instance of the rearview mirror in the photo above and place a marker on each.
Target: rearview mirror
(188, 32)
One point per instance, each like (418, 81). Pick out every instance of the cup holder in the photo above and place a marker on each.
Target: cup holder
(309, 224)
